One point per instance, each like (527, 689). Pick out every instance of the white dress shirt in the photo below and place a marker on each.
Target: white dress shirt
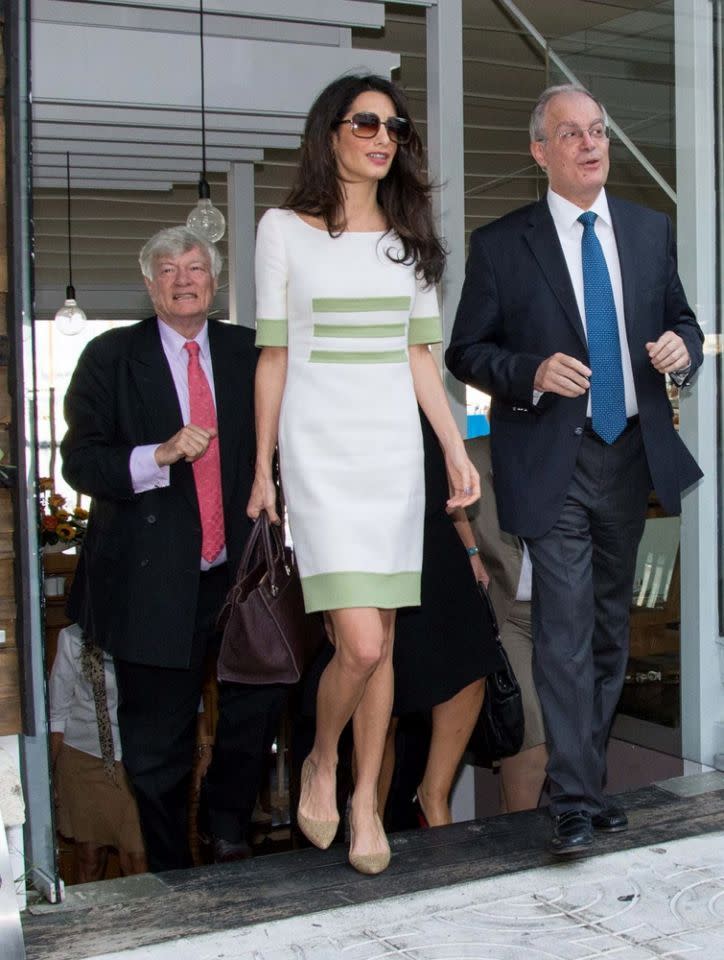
(146, 474)
(570, 232)
(72, 707)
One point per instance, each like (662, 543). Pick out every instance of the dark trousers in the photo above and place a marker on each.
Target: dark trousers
(157, 716)
(583, 571)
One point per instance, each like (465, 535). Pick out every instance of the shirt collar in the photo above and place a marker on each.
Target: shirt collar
(565, 214)
(174, 342)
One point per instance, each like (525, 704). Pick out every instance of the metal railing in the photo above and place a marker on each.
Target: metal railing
(553, 58)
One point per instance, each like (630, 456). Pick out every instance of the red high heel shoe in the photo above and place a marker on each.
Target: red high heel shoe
(422, 821)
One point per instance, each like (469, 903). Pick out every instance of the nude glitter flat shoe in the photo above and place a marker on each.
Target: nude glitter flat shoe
(370, 863)
(319, 832)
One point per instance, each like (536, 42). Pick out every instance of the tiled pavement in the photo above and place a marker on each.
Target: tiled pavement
(664, 901)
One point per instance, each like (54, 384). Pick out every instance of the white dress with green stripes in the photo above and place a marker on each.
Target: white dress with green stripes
(350, 444)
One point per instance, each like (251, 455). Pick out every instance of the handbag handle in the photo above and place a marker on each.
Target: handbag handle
(273, 546)
(489, 604)
(251, 544)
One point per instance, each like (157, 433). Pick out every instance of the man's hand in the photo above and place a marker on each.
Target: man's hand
(188, 444)
(563, 375)
(669, 353)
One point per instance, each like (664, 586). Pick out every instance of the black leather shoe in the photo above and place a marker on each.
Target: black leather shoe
(572, 833)
(610, 820)
(227, 851)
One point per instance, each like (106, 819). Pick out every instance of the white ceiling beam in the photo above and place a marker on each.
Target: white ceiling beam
(126, 174)
(191, 138)
(133, 151)
(107, 184)
(343, 13)
(50, 162)
(121, 115)
(244, 75)
(186, 21)
(413, 3)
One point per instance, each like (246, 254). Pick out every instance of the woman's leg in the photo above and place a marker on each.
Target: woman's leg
(131, 863)
(91, 860)
(371, 722)
(388, 767)
(452, 724)
(522, 778)
(358, 638)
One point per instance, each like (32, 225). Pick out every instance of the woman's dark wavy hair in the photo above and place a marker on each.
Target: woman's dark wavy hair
(403, 195)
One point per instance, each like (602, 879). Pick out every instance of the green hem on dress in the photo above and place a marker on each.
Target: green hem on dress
(271, 333)
(388, 591)
(359, 304)
(424, 330)
(359, 330)
(358, 356)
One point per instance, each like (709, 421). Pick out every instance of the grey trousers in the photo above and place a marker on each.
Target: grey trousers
(583, 571)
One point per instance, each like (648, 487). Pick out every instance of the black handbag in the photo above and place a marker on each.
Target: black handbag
(500, 727)
(267, 636)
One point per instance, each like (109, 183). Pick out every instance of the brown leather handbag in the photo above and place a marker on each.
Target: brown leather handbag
(267, 636)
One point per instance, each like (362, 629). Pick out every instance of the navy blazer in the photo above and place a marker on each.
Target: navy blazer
(136, 586)
(518, 307)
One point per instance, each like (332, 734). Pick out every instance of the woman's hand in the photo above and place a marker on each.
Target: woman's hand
(463, 479)
(263, 497)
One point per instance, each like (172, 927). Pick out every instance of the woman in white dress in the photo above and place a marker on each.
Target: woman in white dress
(346, 308)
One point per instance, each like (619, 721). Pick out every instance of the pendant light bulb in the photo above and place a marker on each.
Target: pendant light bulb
(70, 319)
(205, 219)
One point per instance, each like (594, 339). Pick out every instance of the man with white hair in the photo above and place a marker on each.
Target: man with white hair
(571, 315)
(161, 436)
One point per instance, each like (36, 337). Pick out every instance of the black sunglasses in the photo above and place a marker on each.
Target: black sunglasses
(366, 125)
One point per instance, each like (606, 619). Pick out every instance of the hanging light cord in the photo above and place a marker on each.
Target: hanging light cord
(203, 92)
(67, 196)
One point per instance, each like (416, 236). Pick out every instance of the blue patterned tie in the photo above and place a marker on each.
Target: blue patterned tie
(608, 403)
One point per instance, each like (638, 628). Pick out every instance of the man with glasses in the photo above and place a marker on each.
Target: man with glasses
(571, 316)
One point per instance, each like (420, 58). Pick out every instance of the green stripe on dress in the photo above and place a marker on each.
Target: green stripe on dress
(424, 330)
(332, 591)
(271, 333)
(358, 356)
(359, 330)
(359, 304)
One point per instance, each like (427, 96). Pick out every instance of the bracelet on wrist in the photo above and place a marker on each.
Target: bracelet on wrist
(472, 551)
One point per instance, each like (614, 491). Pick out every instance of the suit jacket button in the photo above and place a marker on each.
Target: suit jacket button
(145, 562)
(578, 431)
(151, 518)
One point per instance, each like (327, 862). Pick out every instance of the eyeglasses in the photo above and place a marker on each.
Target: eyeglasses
(570, 135)
(366, 126)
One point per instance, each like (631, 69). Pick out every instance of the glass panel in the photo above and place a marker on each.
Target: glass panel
(39, 831)
(719, 120)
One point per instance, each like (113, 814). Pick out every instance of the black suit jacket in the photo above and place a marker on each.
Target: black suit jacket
(518, 308)
(137, 582)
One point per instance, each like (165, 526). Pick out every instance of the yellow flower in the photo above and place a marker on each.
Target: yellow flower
(80, 513)
(62, 514)
(65, 531)
(56, 500)
(45, 483)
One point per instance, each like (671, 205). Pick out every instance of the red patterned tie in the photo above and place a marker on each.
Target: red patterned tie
(207, 469)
